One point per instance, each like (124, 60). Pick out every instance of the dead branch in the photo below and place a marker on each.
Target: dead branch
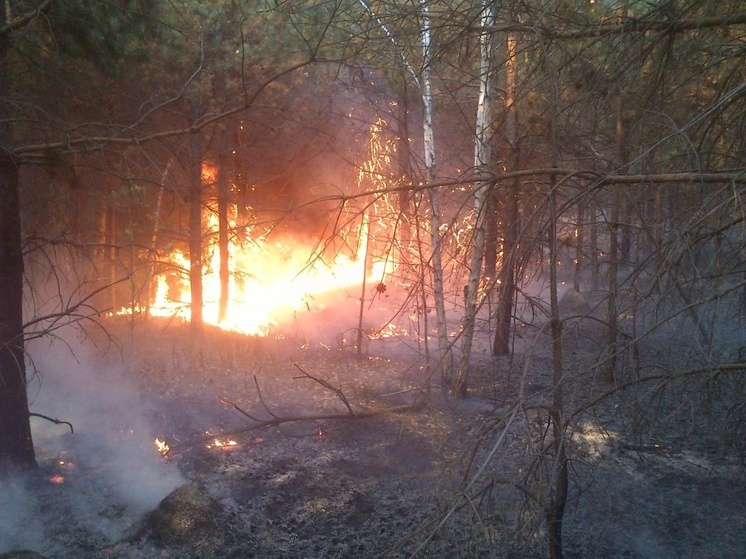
(53, 420)
(639, 25)
(275, 420)
(325, 384)
(662, 379)
(239, 410)
(15, 23)
(261, 398)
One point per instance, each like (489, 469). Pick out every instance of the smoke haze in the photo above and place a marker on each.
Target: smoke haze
(109, 468)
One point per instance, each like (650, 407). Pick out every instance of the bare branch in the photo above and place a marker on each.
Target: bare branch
(33, 152)
(53, 420)
(277, 420)
(261, 398)
(738, 366)
(630, 25)
(239, 409)
(18, 22)
(325, 384)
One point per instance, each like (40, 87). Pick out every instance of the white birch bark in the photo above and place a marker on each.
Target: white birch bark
(482, 155)
(425, 85)
(444, 359)
(400, 51)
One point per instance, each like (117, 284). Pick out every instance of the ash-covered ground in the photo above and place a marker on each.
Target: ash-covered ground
(419, 474)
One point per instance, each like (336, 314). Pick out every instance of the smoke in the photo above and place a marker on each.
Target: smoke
(20, 526)
(102, 477)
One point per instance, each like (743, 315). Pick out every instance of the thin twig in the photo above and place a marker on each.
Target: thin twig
(261, 398)
(325, 384)
(239, 410)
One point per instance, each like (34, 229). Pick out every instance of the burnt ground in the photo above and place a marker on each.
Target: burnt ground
(387, 485)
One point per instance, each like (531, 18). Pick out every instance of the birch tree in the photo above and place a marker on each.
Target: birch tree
(444, 351)
(423, 81)
(482, 193)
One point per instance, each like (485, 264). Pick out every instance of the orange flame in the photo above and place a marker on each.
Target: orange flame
(270, 280)
(217, 443)
(162, 447)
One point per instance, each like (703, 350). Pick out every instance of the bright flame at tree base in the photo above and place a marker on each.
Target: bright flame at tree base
(270, 283)
(270, 279)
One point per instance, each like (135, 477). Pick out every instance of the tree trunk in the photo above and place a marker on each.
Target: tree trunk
(743, 276)
(404, 167)
(195, 231)
(223, 226)
(444, 358)
(593, 233)
(482, 155)
(559, 480)
(16, 445)
(491, 236)
(506, 300)
(242, 188)
(612, 333)
(625, 230)
(444, 353)
(106, 237)
(156, 232)
(612, 327)
(579, 241)
(364, 234)
(504, 312)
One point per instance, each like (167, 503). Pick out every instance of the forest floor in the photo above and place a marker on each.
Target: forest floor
(389, 484)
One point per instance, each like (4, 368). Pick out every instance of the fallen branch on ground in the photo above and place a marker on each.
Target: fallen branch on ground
(274, 419)
(325, 384)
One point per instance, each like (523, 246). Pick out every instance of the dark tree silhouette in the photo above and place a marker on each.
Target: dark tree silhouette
(16, 447)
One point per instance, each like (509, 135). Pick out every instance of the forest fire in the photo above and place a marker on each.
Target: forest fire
(274, 277)
(218, 443)
(162, 447)
(269, 281)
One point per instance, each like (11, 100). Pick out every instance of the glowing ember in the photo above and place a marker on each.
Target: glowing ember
(162, 447)
(57, 479)
(66, 465)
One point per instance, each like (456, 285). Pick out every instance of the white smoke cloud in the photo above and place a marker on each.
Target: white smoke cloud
(112, 471)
